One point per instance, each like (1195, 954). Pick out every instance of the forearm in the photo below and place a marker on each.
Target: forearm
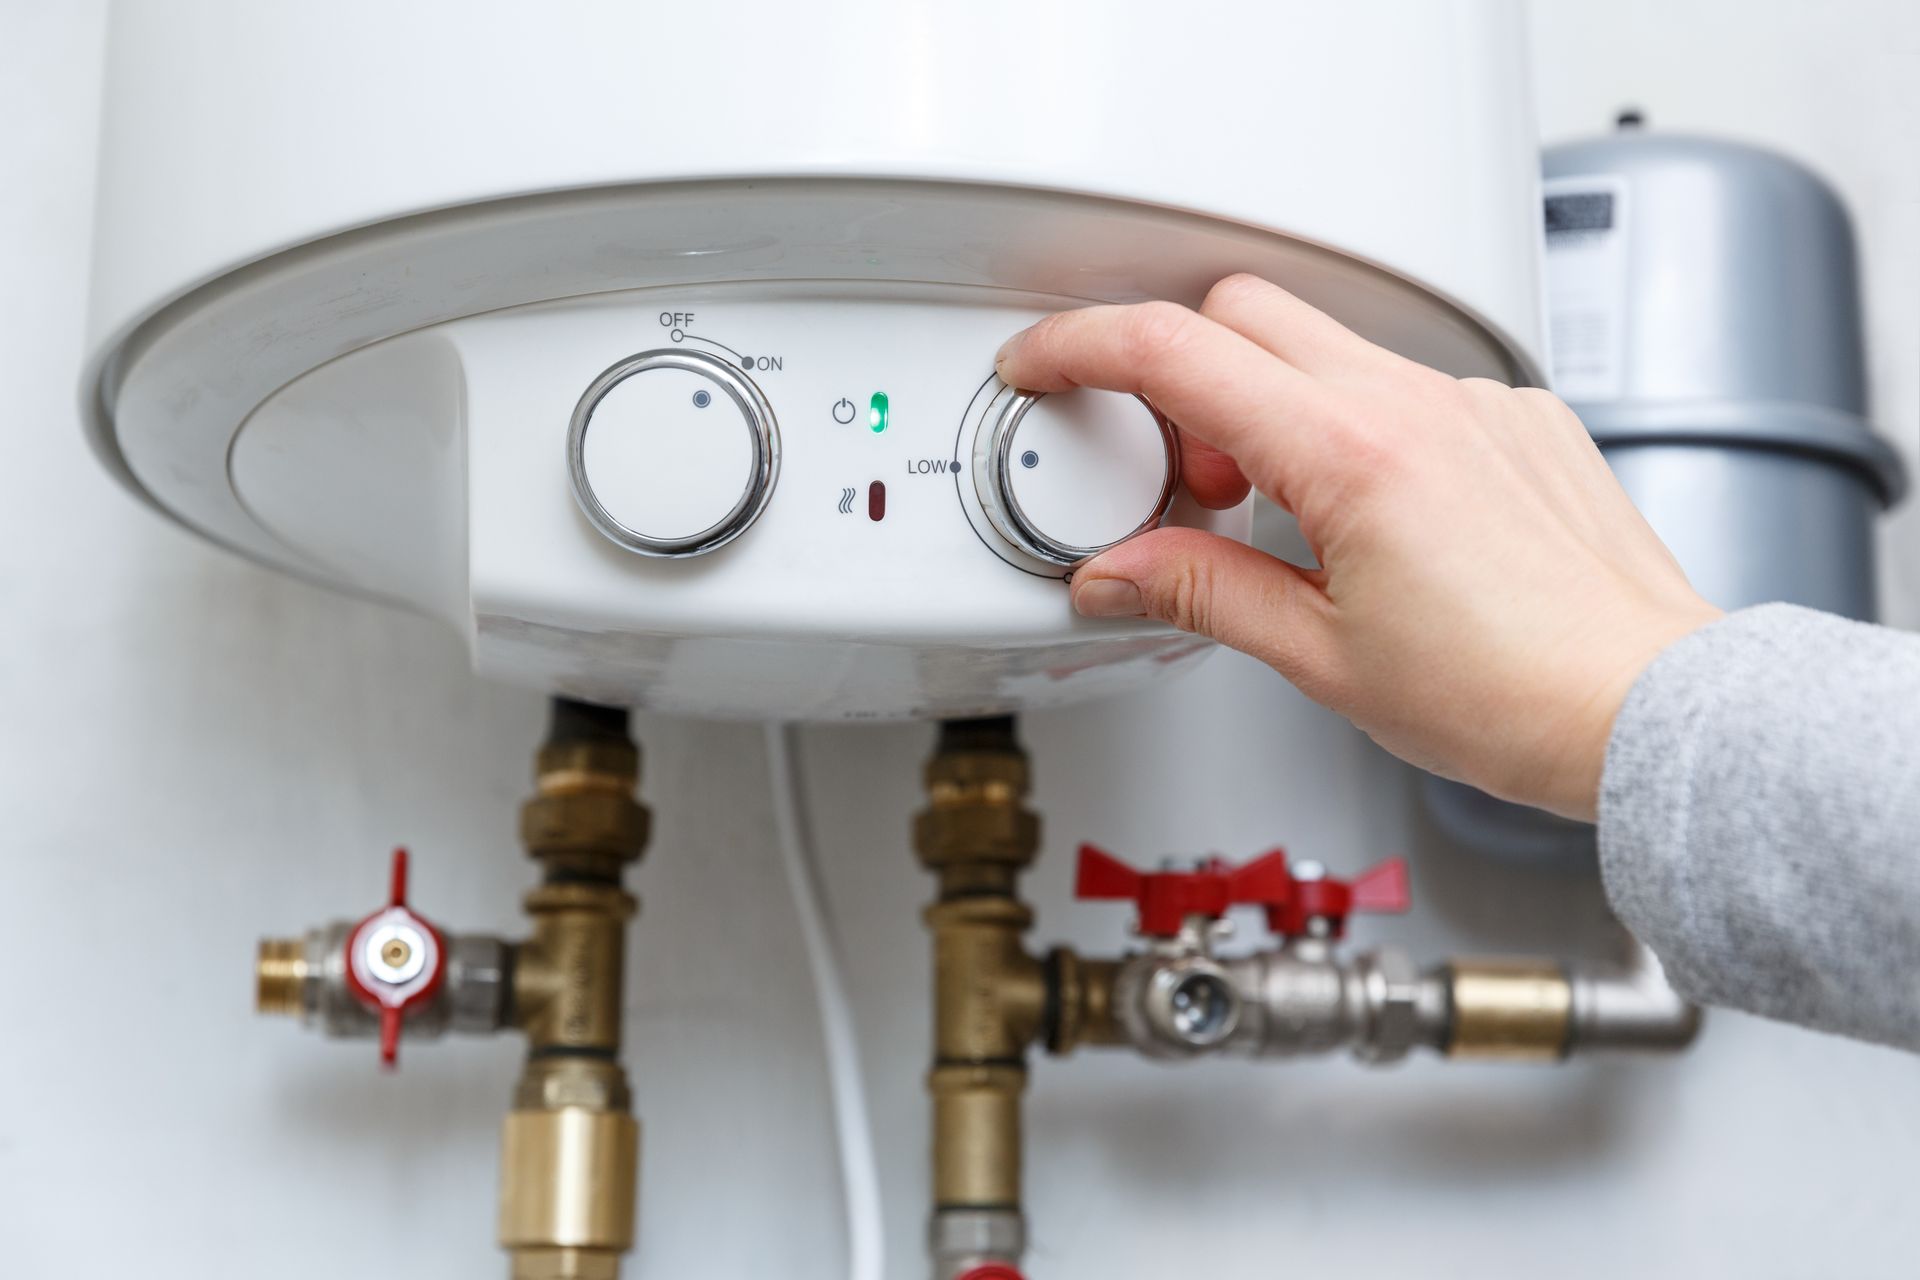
(1760, 819)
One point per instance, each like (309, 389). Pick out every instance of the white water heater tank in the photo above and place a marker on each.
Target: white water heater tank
(650, 346)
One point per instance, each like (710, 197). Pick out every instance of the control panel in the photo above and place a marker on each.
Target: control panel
(752, 499)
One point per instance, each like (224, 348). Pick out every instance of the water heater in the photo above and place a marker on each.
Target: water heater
(650, 347)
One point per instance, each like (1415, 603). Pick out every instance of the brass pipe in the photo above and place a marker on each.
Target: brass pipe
(976, 1135)
(988, 1001)
(990, 996)
(569, 1159)
(570, 1147)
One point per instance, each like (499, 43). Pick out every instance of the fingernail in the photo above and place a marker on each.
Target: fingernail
(1108, 598)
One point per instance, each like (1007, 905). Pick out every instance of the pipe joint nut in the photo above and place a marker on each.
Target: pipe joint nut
(587, 828)
(1390, 989)
(1002, 834)
(587, 764)
(1000, 775)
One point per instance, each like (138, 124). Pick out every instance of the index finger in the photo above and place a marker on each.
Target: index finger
(1220, 387)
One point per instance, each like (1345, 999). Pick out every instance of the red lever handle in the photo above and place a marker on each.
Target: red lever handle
(1167, 898)
(396, 961)
(1381, 889)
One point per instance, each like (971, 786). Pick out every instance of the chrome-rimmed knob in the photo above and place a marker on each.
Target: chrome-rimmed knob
(686, 456)
(1066, 477)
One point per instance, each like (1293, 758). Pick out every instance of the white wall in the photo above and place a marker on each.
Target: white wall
(193, 753)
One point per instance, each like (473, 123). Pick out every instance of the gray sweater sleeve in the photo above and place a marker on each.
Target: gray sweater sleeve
(1760, 820)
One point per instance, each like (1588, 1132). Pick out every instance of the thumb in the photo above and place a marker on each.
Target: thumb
(1214, 586)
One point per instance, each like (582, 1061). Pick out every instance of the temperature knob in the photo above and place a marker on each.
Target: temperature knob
(673, 453)
(1065, 476)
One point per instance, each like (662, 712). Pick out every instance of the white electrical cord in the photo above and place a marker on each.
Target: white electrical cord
(859, 1176)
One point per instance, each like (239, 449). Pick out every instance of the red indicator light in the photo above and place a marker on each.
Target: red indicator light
(877, 500)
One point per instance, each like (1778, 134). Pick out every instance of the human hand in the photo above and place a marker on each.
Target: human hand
(1487, 594)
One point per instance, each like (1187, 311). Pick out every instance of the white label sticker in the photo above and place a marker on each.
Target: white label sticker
(1586, 227)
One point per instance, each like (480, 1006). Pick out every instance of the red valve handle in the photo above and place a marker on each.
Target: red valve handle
(1167, 898)
(1381, 889)
(992, 1271)
(396, 962)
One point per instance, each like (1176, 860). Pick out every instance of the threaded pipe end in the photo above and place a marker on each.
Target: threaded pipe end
(561, 1263)
(280, 974)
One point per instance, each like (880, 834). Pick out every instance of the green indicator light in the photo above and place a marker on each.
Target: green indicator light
(877, 412)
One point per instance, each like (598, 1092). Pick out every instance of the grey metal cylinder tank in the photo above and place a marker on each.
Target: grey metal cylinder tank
(1704, 306)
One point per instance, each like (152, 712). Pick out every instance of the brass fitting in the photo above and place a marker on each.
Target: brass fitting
(569, 1159)
(990, 996)
(567, 977)
(1509, 1009)
(1083, 1012)
(570, 1147)
(280, 975)
(583, 818)
(988, 1003)
(976, 834)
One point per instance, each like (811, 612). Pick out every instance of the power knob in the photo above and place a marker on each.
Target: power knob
(1065, 476)
(673, 453)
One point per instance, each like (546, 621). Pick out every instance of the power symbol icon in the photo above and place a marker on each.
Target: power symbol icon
(843, 410)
